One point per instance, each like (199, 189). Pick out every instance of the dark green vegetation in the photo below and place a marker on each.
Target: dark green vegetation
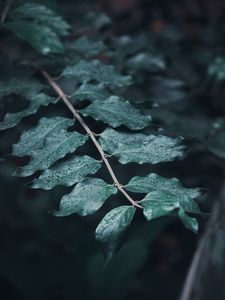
(101, 116)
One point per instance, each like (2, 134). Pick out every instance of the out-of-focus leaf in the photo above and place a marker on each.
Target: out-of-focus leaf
(87, 47)
(146, 62)
(24, 87)
(43, 14)
(41, 37)
(216, 69)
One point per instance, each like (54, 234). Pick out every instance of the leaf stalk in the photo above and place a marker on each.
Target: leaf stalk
(76, 114)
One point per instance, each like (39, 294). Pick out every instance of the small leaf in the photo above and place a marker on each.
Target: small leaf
(35, 137)
(95, 20)
(67, 173)
(86, 198)
(216, 69)
(91, 92)
(23, 87)
(189, 222)
(158, 204)
(86, 71)
(86, 47)
(116, 112)
(141, 148)
(146, 62)
(39, 36)
(56, 146)
(12, 119)
(111, 229)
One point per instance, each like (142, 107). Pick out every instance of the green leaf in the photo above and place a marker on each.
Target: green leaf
(159, 203)
(42, 14)
(154, 182)
(111, 229)
(56, 146)
(86, 198)
(39, 36)
(24, 87)
(86, 71)
(12, 119)
(189, 222)
(67, 173)
(116, 112)
(35, 137)
(87, 47)
(91, 92)
(164, 195)
(141, 148)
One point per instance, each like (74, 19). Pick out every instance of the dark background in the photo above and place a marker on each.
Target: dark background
(43, 257)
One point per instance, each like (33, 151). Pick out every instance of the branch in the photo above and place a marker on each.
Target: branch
(6, 10)
(76, 114)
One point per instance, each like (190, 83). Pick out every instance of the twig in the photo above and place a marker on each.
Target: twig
(75, 113)
(6, 10)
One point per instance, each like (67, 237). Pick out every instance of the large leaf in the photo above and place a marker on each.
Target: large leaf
(161, 203)
(86, 198)
(67, 173)
(86, 71)
(24, 87)
(43, 14)
(86, 47)
(154, 182)
(164, 195)
(115, 112)
(111, 229)
(12, 119)
(91, 92)
(141, 148)
(56, 146)
(35, 137)
(41, 37)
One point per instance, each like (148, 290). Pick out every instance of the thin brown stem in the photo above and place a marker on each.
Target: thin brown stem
(76, 114)
(6, 10)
